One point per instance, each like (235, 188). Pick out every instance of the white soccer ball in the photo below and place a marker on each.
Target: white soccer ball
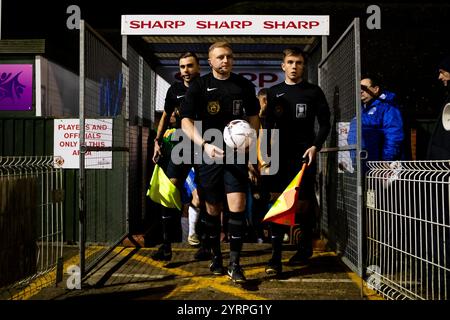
(239, 135)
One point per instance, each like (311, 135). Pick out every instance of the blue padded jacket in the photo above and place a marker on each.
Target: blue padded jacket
(382, 129)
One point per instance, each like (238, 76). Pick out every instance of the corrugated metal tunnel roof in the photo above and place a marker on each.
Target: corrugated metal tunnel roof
(248, 50)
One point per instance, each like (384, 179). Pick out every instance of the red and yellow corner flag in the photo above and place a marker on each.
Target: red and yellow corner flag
(163, 191)
(283, 210)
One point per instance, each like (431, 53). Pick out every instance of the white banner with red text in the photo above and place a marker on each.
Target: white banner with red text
(307, 25)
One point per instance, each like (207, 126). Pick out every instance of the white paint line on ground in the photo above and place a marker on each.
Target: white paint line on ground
(137, 275)
(313, 280)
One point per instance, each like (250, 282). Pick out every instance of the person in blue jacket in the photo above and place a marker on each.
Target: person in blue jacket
(381, 124)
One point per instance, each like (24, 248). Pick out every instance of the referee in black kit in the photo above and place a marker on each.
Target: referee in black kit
(293, 106)
(214, 100)
(189, 70)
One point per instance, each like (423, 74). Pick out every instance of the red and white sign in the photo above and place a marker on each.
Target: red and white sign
(262, 77)
(66, 148)
(225, 24)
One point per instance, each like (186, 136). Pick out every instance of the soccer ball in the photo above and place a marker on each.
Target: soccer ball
(239, 135)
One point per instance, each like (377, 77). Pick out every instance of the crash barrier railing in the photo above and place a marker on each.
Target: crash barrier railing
(31, 224)
(407, 228)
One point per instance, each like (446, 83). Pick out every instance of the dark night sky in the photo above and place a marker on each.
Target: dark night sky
(404, 53)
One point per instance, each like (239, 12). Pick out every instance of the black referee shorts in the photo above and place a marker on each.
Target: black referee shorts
(178, 171)
(216, 180)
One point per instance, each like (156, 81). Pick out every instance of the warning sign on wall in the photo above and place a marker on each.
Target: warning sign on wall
(66, 148)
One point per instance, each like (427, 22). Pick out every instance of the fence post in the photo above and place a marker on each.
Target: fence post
(81, 176)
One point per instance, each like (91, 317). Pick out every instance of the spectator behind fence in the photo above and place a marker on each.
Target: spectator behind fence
(439, 146)
(381, 124)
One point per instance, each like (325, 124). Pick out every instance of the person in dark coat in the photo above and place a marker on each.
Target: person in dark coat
(439, 146)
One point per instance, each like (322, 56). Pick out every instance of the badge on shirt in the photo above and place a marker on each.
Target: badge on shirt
(300, 110)
(213, 107)
(237, 106)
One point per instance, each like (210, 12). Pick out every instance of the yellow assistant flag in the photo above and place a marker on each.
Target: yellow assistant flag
(163, 191)
(283, 210)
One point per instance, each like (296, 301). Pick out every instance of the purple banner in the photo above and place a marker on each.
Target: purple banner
(16, 87)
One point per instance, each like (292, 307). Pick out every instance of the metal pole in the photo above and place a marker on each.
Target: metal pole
(324, 46)
(81, 177)
(359, 178)
(125, 72)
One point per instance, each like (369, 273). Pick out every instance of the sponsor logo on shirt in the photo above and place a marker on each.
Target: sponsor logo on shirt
(280, 94)
(210, 89)
(179, 97)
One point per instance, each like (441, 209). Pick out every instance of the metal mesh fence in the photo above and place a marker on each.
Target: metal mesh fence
(408, 229)
(134, 81)
(313, 61)
(152, 75)
(140, 109)
(148, 108)
(339, 77)
(31, 223)
(103, 110)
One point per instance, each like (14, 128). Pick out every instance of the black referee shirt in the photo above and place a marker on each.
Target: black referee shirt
(293, 109)
(174, 98)
(217, 102)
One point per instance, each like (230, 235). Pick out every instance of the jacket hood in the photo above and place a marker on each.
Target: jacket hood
(387, 96)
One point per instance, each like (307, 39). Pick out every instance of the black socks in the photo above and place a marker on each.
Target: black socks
(236, 230)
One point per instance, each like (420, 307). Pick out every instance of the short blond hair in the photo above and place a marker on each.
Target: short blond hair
(219, 44)
(294, 51)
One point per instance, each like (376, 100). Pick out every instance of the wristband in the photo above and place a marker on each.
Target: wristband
(203, 144)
